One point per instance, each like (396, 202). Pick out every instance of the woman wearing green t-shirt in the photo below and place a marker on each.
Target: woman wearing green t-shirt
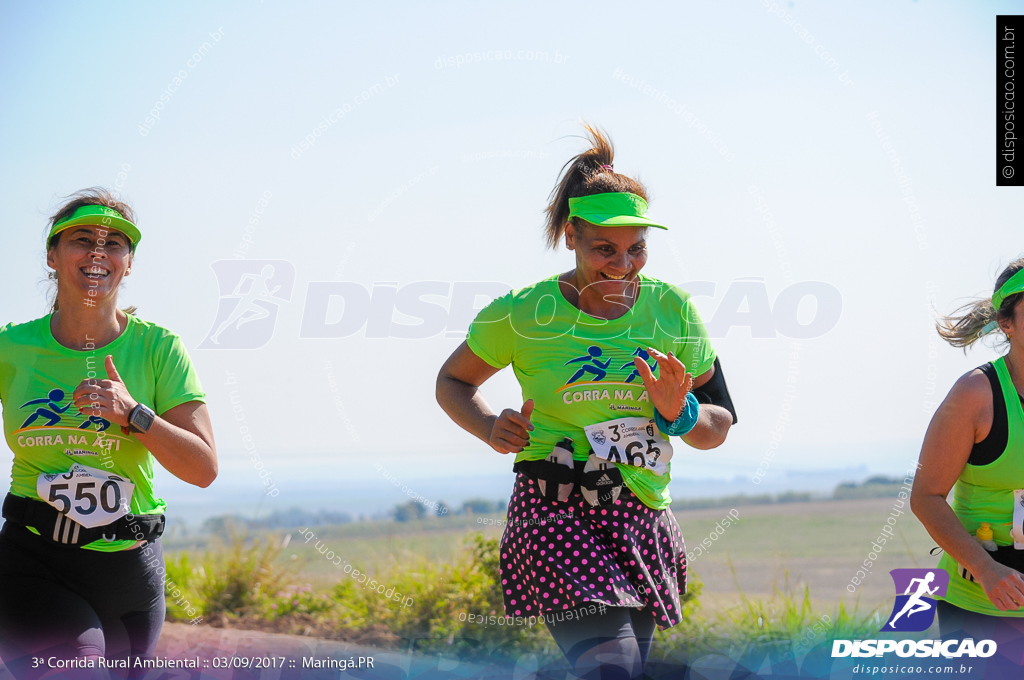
(975, 446)
(610, 362)
(91, 395)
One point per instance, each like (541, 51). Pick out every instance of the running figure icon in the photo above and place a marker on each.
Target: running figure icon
(914, 604)
(642, 353)
(247, 304)
(51, 411)
(598, 369)
(101, 423)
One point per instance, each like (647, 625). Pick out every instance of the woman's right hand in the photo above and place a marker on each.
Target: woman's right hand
(1004, 586)
(510, 432)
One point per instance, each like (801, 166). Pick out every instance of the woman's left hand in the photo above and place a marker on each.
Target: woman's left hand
(108, 399)
(667, 393)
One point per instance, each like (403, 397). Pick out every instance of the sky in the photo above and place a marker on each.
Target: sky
(399, 156)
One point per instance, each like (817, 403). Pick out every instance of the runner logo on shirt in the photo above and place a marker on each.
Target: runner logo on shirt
(50, 409)
(590, 364)
(642, 353)
(596, 373)
(49, 422)
(47, 407)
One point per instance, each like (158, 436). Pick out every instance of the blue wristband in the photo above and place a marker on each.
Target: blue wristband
(684, 423)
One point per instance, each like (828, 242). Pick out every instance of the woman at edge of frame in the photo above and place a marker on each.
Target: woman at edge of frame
(975, 446)
(91, 395)
(636, 571)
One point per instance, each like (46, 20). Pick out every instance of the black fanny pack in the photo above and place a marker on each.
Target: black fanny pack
(1009, 556)
(1005, 555)
(58, 528)
(554, 474)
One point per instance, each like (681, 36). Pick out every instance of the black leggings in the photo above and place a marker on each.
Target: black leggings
(612, 645)
(71, 603)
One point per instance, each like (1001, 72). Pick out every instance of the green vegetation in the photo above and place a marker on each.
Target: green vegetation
(248, 586)
(251, 584)
(786, 621)
(773, 582)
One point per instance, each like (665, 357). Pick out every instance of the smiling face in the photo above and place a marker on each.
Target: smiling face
(90, 261)
(608, 259)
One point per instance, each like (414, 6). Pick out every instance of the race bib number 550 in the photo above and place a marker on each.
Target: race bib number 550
(91, 497)
(631, 441)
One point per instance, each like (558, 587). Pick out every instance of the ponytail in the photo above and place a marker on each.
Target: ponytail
(586, 174)
(967, 324)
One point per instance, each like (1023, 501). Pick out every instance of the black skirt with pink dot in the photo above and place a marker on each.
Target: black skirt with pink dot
(560, 555)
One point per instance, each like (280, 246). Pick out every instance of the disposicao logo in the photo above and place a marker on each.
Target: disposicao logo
(919, 648)
(914, 611)
(250, 293)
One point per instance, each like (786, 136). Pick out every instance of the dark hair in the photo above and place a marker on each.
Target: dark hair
(585, 176)
(964, 326)
(90, 196)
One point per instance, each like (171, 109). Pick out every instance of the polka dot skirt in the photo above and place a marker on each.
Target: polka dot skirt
(557, 556)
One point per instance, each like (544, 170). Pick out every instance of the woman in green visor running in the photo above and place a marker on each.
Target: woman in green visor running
(611, 364)
(92, 396)
(975, 446)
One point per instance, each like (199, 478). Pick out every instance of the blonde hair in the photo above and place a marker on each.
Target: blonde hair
(965, 325)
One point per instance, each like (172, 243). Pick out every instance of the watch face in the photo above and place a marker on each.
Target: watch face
(142, 419)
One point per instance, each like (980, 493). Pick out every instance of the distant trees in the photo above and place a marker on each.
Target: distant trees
(414, 510)
(480, 506)
(407, 512)
(291, 518)
(878, 486)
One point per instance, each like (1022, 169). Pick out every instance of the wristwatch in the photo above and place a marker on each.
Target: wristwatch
(141, 419)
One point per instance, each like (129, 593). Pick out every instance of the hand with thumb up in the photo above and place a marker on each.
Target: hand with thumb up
(510, 432)
(108, 399)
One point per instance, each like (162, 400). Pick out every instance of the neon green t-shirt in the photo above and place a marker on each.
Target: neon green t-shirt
(579, 369)
(43, 427)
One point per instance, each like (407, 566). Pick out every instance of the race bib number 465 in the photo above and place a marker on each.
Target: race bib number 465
(631, 441)
(91, 497)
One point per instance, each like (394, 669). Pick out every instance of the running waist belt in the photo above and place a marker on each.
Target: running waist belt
(554, 474)
(58, 528)
(1006, 555)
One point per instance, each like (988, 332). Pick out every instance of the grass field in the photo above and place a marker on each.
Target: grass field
(821, 544)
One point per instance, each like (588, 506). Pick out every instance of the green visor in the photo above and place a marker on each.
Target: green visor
(99, 216)
(614, 209)
(1015, 284)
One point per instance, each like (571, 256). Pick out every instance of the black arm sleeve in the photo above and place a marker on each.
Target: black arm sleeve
(716, 392)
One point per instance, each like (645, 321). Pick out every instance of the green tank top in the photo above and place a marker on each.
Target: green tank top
(984, 493)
